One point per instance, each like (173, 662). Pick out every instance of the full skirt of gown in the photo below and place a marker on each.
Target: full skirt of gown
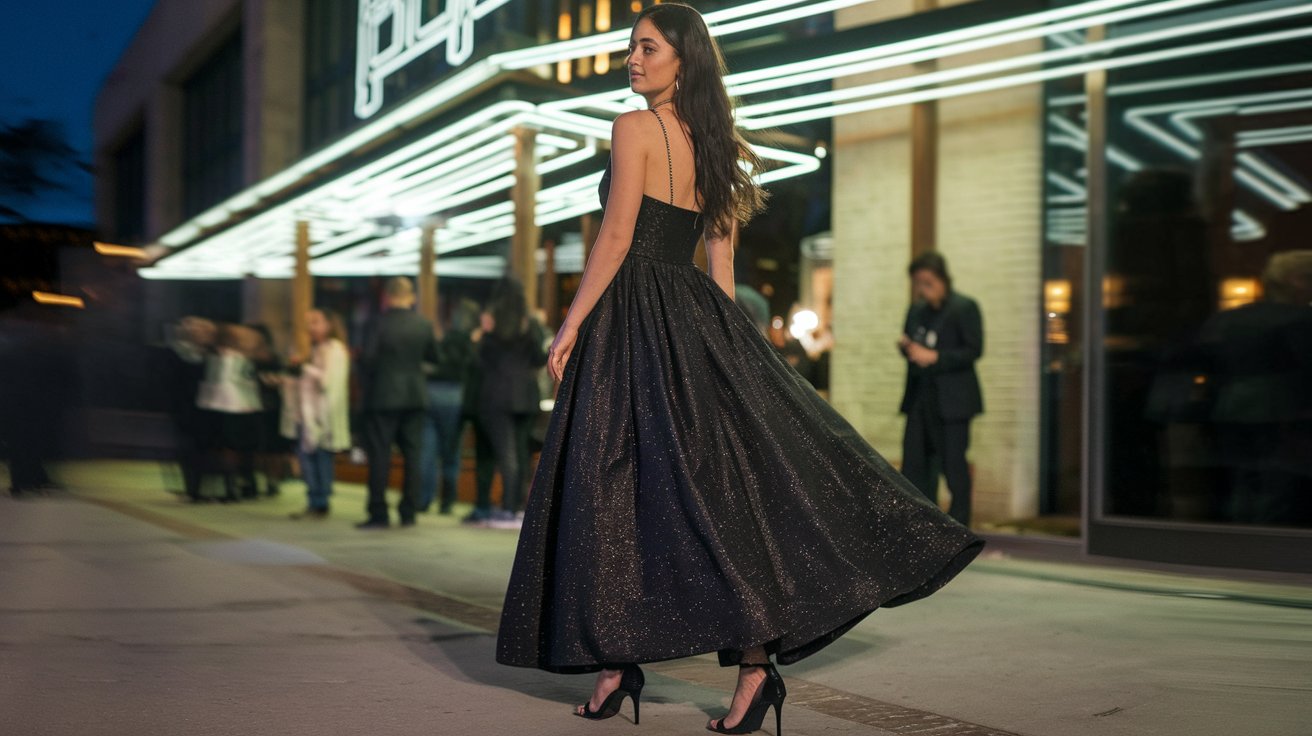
(695, 494)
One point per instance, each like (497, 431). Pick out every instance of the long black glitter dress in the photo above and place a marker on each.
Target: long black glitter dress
(695, 493)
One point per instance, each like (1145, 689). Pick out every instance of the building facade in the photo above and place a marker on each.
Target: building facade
(1119, 184)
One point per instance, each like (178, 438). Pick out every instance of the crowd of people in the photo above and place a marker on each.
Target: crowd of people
(241, 413)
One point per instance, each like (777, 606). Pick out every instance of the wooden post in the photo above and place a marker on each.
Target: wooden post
(428, 271)
(302, 290)
(524, 194)
(550, 292)
(924, 161)
(924, 179)
(590, 226)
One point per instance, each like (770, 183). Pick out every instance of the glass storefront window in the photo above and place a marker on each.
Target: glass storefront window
(1208, 281)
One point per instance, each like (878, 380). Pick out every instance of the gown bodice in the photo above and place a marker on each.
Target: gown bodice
(663, 231)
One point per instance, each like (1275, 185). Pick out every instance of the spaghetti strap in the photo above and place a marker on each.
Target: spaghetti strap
(669, 160)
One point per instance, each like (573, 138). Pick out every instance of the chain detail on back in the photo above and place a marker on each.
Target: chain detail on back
(669, 160)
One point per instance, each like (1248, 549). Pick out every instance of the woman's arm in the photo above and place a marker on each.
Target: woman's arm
(335, 380)
(719, 259)
(628, 178)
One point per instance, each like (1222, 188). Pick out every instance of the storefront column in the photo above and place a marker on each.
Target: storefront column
(428, 271)
(302, 290)
(924, 162)
(524, 242)
(1095, 251)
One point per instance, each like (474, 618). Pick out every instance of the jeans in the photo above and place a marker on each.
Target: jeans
(485, 468)
(509, 435)
(440, 446)
(317, 471)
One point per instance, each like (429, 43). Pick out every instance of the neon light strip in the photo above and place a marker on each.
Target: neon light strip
(1036, 59)
(1024, 78)
(718, 22)
(852, 63)
(1276, 140)
(1155, 85)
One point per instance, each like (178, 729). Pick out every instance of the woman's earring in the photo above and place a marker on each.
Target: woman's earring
(676, 84)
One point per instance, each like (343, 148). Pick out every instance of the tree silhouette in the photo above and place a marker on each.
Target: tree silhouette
(35, 158)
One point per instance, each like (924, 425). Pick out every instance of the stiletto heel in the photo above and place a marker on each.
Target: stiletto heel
(631, 682)
(771, 692)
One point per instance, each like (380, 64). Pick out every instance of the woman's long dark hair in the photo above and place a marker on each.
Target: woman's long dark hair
(509, 308)
(727, 190)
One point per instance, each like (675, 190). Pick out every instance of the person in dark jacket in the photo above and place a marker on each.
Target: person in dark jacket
(510, 353)
(485, 465)
(398, 344)
(942, 339)
(443, 429)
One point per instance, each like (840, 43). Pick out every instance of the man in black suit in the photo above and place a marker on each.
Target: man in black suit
(942, 339)
(395, 398)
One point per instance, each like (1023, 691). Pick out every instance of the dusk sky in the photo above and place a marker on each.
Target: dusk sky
(55, 56)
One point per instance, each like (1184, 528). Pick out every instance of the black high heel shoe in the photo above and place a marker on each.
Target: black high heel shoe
(770, 692)
(631, 682)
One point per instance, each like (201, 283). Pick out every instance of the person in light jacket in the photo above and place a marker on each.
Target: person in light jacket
(319, 411)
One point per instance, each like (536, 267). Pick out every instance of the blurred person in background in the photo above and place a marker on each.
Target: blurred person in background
(231, 392)
(510, 354)
(274, 456)
(397, 345)
(1260, 384)
(790, 348)
(485, 461)
(941, 340)
(190, 342)
(318, 406)
(754, 304)
(37, 383)
(441, 444)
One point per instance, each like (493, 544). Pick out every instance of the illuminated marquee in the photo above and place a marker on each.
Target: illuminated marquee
(392, 33)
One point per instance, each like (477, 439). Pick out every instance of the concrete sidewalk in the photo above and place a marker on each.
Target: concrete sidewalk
(127, 611)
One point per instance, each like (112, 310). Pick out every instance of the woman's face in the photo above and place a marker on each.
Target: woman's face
(317, 325)
(653, 65)
(928, 286)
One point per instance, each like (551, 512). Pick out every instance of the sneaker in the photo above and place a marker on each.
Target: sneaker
(477, 516)
(505, 519)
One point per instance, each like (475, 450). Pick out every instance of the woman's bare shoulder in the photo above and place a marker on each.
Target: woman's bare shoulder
(633, 126)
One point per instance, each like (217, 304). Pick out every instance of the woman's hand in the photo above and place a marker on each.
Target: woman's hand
(561, 347)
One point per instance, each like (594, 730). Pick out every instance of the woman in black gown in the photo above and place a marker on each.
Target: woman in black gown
(694, 493)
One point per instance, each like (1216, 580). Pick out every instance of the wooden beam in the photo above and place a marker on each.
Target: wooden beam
(428, 271)
(526, 238)
(550, 292)
(924, 161)
(302, 290)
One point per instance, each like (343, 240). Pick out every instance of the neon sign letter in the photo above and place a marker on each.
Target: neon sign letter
(409, 36)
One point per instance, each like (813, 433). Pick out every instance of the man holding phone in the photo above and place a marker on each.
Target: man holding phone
(941, 340)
